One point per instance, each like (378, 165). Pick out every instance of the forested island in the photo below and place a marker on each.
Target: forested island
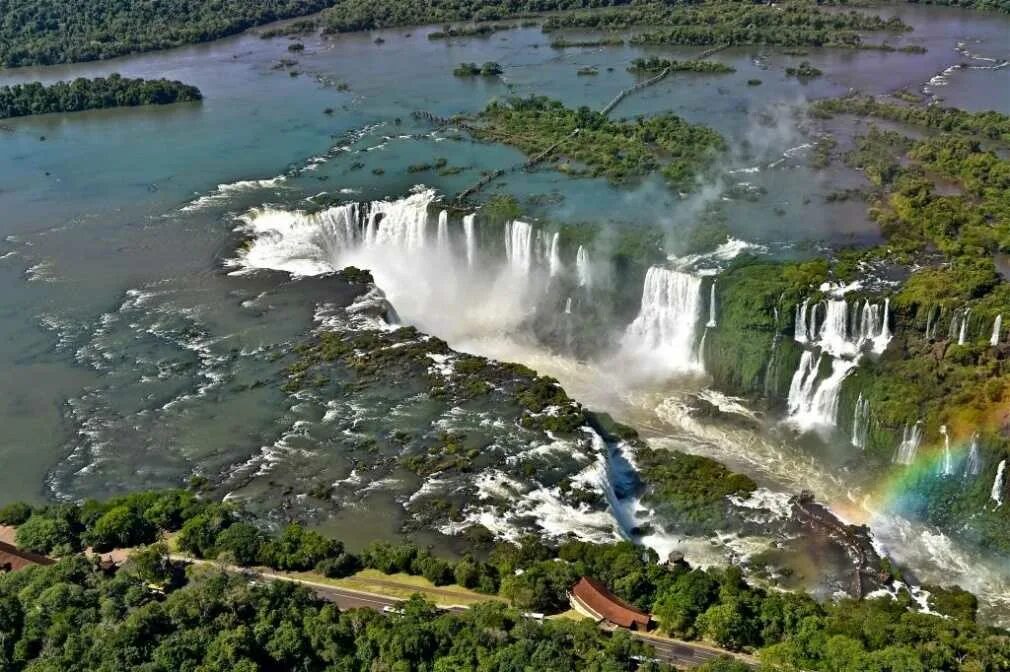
(92, 94)
(155, 612)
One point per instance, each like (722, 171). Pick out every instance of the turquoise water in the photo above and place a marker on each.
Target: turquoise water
(133, 359)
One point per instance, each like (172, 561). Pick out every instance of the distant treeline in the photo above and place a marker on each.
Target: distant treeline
(42, 33)
(352, 15)
(23, 100)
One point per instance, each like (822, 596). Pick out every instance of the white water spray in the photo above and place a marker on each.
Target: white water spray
(470, 234)
(519, 246)
(909, 446)
(664, 331)
(861, 423)
(711, 307)
(583, 271)
(997, 485)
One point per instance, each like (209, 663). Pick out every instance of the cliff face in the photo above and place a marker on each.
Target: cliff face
(929, 408)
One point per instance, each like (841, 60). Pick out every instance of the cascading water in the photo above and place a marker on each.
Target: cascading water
(973, 465)
(711, 307)
(583, 271)
(996, 326)
(664, 330)
(800, 330)
(519, 246)
(962, 335)
(442, 235)
(815, 406)
(554, 255)
(909, 446)
(401, 224)
(568, 306)
(996, 494)
(470, 234)
(861, 423)
(947, 467)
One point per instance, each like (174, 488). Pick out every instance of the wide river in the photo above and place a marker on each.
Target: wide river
(133, 359)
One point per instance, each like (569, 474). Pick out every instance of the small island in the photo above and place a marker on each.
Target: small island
(82, 94)
(489, 69)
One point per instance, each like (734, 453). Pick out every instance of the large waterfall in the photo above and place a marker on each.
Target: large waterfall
(813, 403)
(552, 243)
(996, 326)
(711, 307)
(583, 271)
(909, 446)
(997, 485)
(519, 246)
(861, 423)
(665, 329)
(845, 332)
(442, 236)
(470, 234)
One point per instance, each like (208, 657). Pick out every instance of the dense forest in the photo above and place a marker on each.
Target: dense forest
(92, 94)
(37, 32)
(154, 616)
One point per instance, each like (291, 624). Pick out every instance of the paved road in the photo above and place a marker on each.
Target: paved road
(674, 652)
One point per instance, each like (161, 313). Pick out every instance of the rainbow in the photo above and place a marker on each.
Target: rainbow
(900, 484)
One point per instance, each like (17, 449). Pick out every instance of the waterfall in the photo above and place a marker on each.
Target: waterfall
(666, 322)
(582, 269)
(963, 333)
(996, 326)
(402, 224)
(553, 255)
(471, 239)
(997, 485)
(519, 246)
(568, 306)
(861, 423)
(909, 446)
(834, 334)
(883, 337)
(442, 239)
(929, 322)
(800, 328)
(973, 466)
(803, 381)
(947, 468)
(711, 307)
(813, 404)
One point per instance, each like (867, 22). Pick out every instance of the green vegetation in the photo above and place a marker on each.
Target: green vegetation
(690, 489)
(91, 94)
(489, 69)
(44, 33)
(354, 15)
(153, 616)
(992, 125)
(72, 618)
(481, 30)
(561, 43)
(804, 71)
(724, 22)
(654, 65)
(584, 142)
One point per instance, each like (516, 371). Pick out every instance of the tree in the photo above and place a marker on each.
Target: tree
(15, 513)
(44, 532)
(243, 542)
(119, 527)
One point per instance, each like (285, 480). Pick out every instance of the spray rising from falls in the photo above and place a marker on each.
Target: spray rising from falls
(663, 335)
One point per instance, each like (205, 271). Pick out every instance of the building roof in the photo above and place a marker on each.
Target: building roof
(13, 558)
(594, 596)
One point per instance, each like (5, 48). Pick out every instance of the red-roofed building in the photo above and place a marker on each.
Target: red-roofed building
(13, 558)
(591, 598)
